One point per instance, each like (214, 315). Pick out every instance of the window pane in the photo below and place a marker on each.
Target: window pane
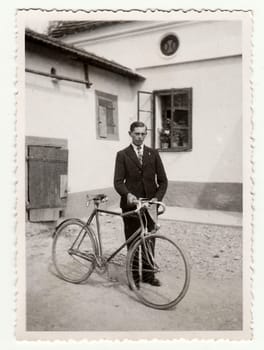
(180, 118)
(179, 138)
(164, 141)
(180, 100)
(103, 102)
(166, 100)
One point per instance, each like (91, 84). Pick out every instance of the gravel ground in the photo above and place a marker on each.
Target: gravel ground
(104, 303)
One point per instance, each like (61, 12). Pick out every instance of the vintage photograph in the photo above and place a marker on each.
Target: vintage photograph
(134, 167)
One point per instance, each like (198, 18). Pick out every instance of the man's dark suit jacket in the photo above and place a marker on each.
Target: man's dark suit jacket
(147, 180)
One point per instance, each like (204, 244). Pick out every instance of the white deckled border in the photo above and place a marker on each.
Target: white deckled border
(246, 18)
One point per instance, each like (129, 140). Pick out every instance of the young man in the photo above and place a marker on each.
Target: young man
(139, 173)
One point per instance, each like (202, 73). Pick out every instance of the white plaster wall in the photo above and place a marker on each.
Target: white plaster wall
(138, 44)
(216, 83)
(67, 110)
(217, 119)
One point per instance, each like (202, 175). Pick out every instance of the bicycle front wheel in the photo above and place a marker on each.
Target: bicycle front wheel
(157, 257)
(73, 251)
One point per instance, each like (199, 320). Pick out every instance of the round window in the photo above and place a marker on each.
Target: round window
(169, 44)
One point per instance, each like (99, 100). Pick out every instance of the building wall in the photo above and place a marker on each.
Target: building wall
(210, 175)
(209, 60)
(67, 110)
(137, 44)
(216, 155)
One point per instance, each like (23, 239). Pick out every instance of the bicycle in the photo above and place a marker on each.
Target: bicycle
(77, 251)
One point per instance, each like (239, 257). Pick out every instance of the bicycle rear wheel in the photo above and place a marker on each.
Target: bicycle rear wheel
(158, 257)
(73, 251)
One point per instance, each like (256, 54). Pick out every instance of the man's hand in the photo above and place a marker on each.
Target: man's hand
(154, 199)
(131, 199)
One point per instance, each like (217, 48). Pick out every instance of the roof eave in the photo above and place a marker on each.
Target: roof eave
(83, 56)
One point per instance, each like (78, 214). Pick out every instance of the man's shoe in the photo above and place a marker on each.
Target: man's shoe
(154, 282)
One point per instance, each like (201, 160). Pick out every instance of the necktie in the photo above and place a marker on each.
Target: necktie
(140, 155)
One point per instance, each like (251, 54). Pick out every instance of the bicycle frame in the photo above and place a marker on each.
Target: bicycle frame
(138, 234)
(76, 242)
(95, 214)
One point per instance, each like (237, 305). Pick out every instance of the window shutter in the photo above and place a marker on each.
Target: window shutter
(106, 116)
(110, 119)
(102, 121)
(145, 114)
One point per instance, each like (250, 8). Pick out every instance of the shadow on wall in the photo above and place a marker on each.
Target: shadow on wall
(222, 196)
(211, 195)
(226, 196)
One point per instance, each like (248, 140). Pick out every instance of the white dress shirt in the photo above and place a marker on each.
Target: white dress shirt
(140, 151)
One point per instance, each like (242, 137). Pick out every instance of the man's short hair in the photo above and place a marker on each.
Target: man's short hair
(137, 124)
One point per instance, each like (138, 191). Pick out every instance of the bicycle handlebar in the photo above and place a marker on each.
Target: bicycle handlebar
(141, 203)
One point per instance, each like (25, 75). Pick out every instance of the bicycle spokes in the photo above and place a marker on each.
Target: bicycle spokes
(158, 271)
(73, 251)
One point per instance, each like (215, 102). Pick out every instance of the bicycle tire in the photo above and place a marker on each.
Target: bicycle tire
(70, 267)
(171, 268)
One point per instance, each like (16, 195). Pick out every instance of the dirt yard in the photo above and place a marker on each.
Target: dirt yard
(105, 303)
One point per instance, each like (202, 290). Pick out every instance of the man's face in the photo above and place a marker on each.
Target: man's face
(138, 135)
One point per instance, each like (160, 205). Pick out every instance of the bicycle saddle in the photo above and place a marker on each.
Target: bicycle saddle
(100, 197)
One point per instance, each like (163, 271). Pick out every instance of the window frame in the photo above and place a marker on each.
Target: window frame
(113, 99)
(172, 93)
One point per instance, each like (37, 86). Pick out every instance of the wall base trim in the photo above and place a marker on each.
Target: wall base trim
(199, 195)
(205, 195)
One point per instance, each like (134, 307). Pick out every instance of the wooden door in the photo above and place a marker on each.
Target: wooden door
(47, 182)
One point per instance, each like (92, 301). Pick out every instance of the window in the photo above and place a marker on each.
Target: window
(169, 45)
(174, 119)
(106, 116)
